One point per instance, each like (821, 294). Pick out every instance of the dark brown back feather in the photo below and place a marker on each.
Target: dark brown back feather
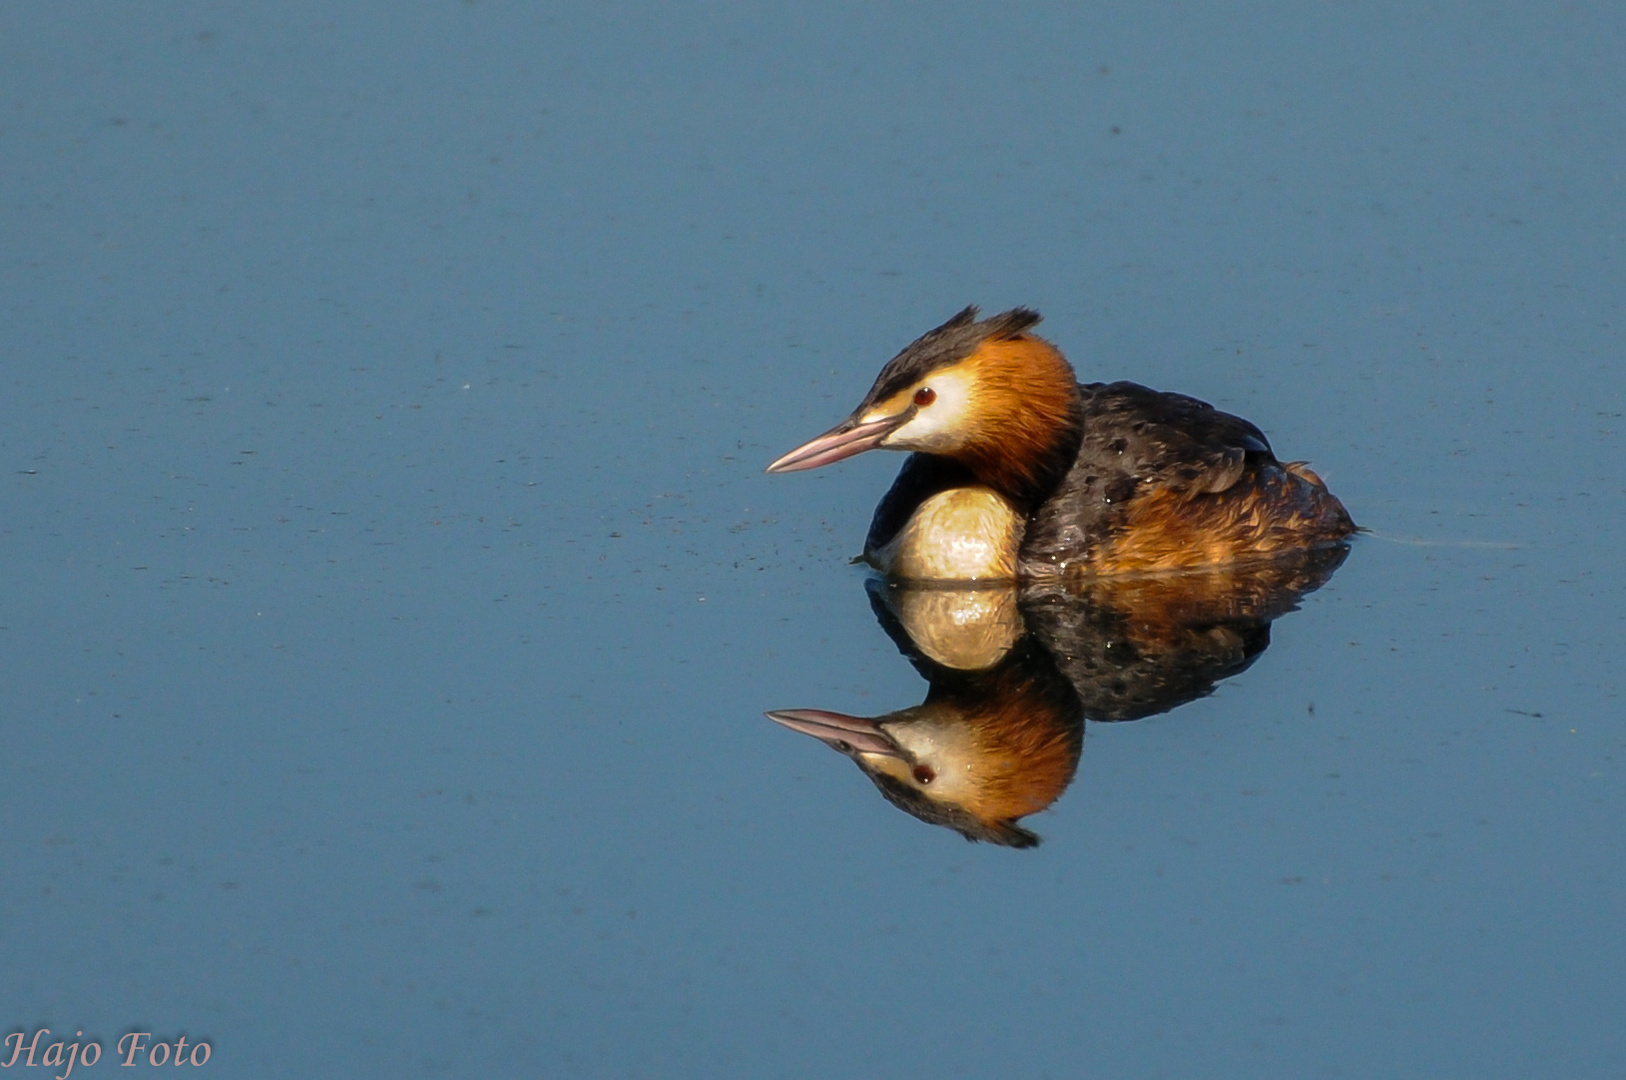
(1164, 481)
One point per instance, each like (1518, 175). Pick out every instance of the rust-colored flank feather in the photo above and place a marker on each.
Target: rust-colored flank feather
(1272, 510)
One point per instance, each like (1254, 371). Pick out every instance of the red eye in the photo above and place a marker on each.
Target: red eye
(924, 775)
(925, 396)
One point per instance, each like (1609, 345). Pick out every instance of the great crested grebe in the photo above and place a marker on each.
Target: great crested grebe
(1019, 472)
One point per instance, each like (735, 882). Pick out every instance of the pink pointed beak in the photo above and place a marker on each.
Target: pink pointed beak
(842, 441)
(848, 734)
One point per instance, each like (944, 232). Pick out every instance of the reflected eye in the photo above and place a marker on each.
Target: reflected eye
(925, 396)
(923, 774)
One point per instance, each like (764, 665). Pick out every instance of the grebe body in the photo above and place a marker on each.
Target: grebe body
(1018, 472)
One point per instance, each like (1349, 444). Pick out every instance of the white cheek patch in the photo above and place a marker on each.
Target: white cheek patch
(949, 750)
(941, 426)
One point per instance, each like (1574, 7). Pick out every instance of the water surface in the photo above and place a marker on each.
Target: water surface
(393, 591)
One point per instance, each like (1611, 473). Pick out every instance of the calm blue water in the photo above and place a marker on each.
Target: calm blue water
(393, 592)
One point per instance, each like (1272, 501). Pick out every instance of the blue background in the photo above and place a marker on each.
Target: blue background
(391, 590)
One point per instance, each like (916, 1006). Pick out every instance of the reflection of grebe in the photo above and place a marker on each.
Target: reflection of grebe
(1021, 472)
(1014, 674)
(982, 750)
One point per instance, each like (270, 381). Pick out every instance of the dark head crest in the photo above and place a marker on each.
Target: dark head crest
(947, 344)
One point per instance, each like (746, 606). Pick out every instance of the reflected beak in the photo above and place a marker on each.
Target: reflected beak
(847, 734)
(842, 441)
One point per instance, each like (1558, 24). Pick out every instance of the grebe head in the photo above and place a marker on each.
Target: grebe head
(986, 393)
